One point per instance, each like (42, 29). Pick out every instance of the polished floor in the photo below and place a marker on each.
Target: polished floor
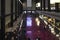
(37, 31)
(32, 28)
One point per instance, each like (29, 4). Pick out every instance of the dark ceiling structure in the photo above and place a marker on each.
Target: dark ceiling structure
(32, 0)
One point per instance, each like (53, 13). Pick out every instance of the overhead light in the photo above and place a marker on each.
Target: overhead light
(38, 5)
(54, 1)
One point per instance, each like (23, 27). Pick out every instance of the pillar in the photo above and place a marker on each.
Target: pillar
(15, 9)
(2, 19)
(48, 5)
(41, 5)
(11, 13)
(0, 14)
(44, 5)
(57, 7)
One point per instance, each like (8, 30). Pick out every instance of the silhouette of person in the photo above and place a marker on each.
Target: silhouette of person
(28, 38)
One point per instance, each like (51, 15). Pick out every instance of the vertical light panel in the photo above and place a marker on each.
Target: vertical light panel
(29, 21)
(29, 3)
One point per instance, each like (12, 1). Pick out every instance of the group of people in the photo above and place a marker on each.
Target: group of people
(11, 35)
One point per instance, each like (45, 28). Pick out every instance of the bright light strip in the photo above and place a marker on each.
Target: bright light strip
(40, 17)
(54, 1)
(20, 1)
(38, 23)
(21, 24)
(57, 35)
(45, 22)
(37, 19)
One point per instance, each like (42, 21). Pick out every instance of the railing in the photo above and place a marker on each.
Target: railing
(14, 34)
(49, 26)
(55, 15)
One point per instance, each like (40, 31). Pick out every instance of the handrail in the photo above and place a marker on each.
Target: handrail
(12, 28)
(55, 26)
(50, 24)
(55, 15)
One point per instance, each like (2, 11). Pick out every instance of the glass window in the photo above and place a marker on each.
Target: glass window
(52, 3)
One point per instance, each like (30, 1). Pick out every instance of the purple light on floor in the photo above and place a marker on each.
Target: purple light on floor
(29, 32)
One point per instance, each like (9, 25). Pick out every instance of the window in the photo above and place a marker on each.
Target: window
(54, 1)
